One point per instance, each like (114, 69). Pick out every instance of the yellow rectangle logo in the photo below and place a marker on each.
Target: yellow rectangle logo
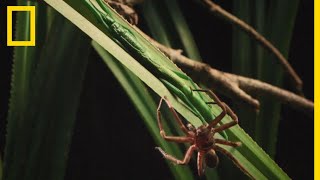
(32, 41)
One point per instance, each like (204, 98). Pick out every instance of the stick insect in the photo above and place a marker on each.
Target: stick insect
(172, 77)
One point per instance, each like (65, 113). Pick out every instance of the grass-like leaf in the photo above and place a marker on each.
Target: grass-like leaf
(175, 23)
(42, 132)
(249, 154)
(189, 46)
(24, 64)
(145, 105)
(279, 28)
(243, 64)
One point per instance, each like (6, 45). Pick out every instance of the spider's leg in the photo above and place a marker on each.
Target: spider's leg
(230, 124)
(217, 119)
(186, 158)
(225, 110)
(228, 143)
(234, 160)
(213, 96)
(200, 164)
(218, 102)
(177, 139)
(182, 126)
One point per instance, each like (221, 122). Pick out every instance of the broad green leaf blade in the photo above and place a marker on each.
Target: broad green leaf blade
(42, 136)
(146, 107)
(258, 163)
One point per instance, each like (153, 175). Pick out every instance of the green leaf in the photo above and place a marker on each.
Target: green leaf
(182, 29)
(279, 28)
(42, 134)
(154, 11)
(146, 107)
(243, 63)
(249, 154)
(25, 60)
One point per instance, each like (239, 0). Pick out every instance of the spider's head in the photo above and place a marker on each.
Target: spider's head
(191, 127)
(202, 131)
(204, 138)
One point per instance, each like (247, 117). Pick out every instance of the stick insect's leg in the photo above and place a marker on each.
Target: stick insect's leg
(182, 126)
(186, 158)
(200, 164)
(234, 160)
(228, 143)
(219, 103)
(230, 124)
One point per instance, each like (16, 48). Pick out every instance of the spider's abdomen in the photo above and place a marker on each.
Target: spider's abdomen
(211, 159)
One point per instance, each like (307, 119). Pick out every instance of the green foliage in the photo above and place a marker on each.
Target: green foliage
(47, 81)
(172, 27)
(24, 63)
(250, 59)
(41, 122)
(278, 28)
(145, 105)
(250, 155)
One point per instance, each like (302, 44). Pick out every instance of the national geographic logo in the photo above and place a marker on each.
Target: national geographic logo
(32, 25)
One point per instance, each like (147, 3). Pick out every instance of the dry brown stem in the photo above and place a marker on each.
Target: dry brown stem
(216, 9)
(237, 87)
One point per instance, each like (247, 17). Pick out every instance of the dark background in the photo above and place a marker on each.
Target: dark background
(100, 147)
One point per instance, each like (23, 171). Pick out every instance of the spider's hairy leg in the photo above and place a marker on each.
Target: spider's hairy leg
(186, 158)
(228, 143)
(212, 95)
(218, 102)
(182, 126)
(177, 139)
(200, 164)
(234, 160)
(233, 116)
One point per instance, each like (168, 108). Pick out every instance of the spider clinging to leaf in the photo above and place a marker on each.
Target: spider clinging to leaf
(202, 138)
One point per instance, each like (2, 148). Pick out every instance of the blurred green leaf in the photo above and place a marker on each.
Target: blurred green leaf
(281, 17)
(175, 24)
(182, 29)
(146, 107)
(243, 64)
(43, 131)
(249, 154)
(25, 60)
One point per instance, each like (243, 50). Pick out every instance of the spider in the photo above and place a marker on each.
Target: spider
(202, 138)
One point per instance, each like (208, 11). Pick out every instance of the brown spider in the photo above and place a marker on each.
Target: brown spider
(201, 139)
